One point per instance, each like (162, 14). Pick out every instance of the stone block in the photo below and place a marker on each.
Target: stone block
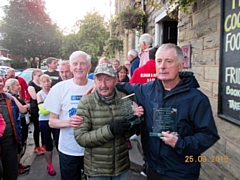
(206, 87)
(181, 36)
(198, 72)
(204, 58)
(214, 104)
(200, 17)
(185, 23)
(212, 41)
(214, 9)
(190, 33)
(205, 28)
(217, 57)
(211, 73)
(218, 24)
(197, 45)
(215, 89)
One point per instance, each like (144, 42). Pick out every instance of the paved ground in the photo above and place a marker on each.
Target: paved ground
(38, 164)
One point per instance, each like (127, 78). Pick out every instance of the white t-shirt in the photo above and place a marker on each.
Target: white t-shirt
(63, 99)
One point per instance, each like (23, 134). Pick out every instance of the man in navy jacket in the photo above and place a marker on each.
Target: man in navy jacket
(174, 155)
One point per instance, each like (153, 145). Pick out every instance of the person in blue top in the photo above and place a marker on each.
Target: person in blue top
(102, 60)
(175, 94)
(134, 60)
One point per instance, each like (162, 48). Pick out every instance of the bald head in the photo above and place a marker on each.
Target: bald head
(10, 73)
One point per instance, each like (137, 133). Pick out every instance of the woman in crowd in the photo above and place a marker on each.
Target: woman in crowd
(13, 87)
(46, 131)
(9, 108)
(33, 89)
(122, 74)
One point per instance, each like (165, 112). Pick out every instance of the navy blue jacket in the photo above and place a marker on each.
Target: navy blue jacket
(195, 125)
(134, 65)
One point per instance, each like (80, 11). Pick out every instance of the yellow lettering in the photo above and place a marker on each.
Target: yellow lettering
(227, 29)
(233, 3)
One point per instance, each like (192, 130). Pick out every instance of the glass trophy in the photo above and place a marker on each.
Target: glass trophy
(128, 105)
(164, 119)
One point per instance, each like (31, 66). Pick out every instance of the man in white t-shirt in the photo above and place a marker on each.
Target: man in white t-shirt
(62, 102)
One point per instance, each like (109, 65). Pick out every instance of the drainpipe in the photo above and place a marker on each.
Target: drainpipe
(144, 8)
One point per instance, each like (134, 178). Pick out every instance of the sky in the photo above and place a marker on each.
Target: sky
(65, 13)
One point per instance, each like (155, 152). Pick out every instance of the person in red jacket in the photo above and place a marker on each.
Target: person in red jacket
(146, 72)
(2, 128)
(24, 87)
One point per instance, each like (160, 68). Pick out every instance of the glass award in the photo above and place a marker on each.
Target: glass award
(164, 119)
(128, 105)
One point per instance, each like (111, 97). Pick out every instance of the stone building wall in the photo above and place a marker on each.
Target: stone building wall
(201, 29)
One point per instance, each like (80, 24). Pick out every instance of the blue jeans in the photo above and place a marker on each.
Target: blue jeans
(71, 167)
(122, 176)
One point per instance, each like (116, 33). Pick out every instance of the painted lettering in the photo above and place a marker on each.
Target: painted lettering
(232, 75)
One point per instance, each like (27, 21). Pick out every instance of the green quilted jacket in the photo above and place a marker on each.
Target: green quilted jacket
(105, 154)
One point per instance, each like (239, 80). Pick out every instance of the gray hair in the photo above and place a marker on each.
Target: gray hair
(133, 52)
(64, 62)
(9, 83)
(104, 60)
(178, 50)
(147, 38)
(79, 53)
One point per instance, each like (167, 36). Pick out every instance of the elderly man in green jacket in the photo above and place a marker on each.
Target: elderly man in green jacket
(104, 130)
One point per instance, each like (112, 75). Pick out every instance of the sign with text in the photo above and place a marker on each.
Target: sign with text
(229, 82)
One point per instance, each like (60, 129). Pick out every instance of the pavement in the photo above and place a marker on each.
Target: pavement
(38, 164)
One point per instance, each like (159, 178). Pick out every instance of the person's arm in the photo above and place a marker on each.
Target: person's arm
(39, 98)
(204, 126)
(22, 108)
(55, 122)
(40, 101)
(32, 92)
(140, 91)
(84, 135)
(24, 85)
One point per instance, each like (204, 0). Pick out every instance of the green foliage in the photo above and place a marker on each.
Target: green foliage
(131, 18)
(180, 5)
(113, 26)
(28, 31)
(70, 44)
(16, 64)
(92, 34)
(112, 44)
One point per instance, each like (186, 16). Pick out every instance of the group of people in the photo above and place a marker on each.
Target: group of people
(18, 99)
(91, 132)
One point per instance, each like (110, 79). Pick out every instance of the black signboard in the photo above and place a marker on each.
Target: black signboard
(229, 75)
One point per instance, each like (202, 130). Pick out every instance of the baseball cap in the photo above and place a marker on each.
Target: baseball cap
(105, 69)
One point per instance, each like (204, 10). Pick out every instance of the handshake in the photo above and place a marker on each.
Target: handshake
(120, 127)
